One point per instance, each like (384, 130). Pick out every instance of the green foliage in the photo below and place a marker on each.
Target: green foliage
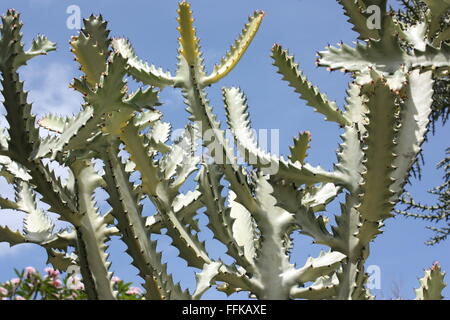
(32, 285)
(414, 13)
(253, 208)
(437, 213)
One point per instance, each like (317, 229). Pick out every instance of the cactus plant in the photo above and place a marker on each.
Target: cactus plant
(252, 208)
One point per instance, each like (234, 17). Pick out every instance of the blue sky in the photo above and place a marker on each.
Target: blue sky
(302, 26)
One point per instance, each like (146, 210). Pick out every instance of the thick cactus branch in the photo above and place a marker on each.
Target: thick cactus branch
(237, 50)
(354, 10)
(311, 94)
(140, 70)
(432, 284)
(300, 148)
(92, 235)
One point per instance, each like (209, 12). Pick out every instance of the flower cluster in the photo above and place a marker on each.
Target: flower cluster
(52, 285)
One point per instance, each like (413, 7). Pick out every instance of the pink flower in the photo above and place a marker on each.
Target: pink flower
(74, 283)
(20, 298)
(115, 279)
(134, 291)
(3, 291)
(14, 282)
(56, 283)
(29, 272)
(52, 273)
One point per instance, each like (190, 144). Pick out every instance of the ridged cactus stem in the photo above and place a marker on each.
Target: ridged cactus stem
(91, 231)
(131, 223)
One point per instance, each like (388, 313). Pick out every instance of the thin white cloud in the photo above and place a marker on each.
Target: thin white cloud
(48, 87)
(7, 251)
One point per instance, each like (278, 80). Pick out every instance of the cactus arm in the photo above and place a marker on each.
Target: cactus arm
(61, 261)
(64, 189)
(230, 225)
(437, 10)
(299, 151)
(54, 194)
(379, 155)
(442, 37)
(145, 99)
(10, 42)
(58, 241)
(24, 134)
(146, 118)
(206, 278)
(190, 71)
(12, 170)
(237, 117)
(236, 51)
(318, 197)
(414, 120)
(219, 219)
(18, 115)
(290, 199)
(52, 145)
(128, 212)
(91, 49)
(186, 206)
(351, 235)
(308, 92)
(140, 70)
(37, 225)
(91, 234)
(201, 111)
(346, 58)
(385, 54)
(323, 265)
(354, 10)
(8, 204)
(11, 237)
(40, 46)
(415, 35)
(61, 240)
(361, 292)
(432, 284)
(108, 98)
(323, 288)
(180, 160)
(432, 58)
(189, 43)
(53, 123)
(191, 249)
(272, 260)
(350, 155)
(346, 241)
(139, 154)
(158, 136)
(3, 141)
(244, 231)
